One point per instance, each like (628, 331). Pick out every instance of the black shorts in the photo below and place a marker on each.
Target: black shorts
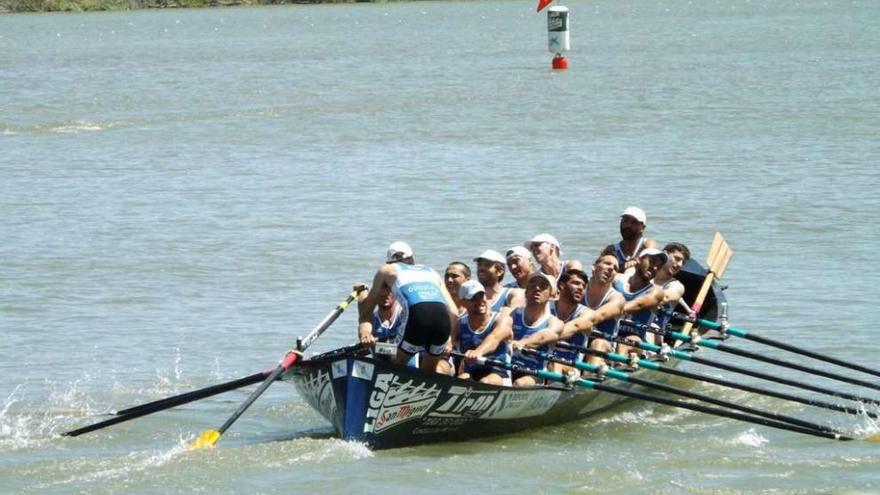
(427, 329)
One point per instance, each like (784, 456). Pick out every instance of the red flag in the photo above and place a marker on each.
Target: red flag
(542, 4)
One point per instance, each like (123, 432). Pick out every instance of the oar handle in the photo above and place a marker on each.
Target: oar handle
(303, 343)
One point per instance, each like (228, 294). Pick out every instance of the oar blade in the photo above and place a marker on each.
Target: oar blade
(874, 438)
(717, 242)
(205, 439)
(722, 261)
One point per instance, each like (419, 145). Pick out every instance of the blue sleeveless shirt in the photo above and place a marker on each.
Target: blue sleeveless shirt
(579, 339)
(391, 332)
(501, 301)
(468, 340)
(622, 258)
(416, 284)
(522, 330)
(643, 317)
(610, 326)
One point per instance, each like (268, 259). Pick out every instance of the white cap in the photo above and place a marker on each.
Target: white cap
(470, 289)
(654, 252)
(542, 238)
(519, 251)
(397, 251)
(548, 278)
(491, 255)
(636, 213)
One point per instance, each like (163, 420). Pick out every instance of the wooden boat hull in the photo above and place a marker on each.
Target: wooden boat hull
(373, 401)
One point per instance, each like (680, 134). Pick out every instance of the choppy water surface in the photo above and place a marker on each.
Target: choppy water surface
(185, 192)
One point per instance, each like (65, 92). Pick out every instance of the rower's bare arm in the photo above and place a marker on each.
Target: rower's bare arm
(673, 293)
(365, 307)
(517, 298)
(545, 336)
(583, 323)
(502, 332)
(451, 307)
(651, 300)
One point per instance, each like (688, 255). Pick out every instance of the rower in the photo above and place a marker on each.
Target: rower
(547, 251)
(673, 290)
(490, 271)
(519, 262)
(428, 310)
(632, 227)
(602, 307)
(473, 327)
(570, 311)
(456, 274)
(535, 317)
(386, 316)
(606, 303)
(642, 297)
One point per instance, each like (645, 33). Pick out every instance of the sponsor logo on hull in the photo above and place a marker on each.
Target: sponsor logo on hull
(395, 400)
(522, 404)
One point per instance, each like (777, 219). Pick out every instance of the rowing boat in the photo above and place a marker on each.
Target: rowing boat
(370, 400)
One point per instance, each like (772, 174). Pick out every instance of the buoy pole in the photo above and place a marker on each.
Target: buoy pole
(558, 40)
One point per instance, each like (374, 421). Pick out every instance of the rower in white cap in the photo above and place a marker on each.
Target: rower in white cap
(490, 271)
(632, 227)
(519, 262)
(641, 295)
(429, 312)
(474, 326)
(547, 252)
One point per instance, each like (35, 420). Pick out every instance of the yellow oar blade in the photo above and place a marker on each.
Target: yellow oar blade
(205, 439)
(874, 438)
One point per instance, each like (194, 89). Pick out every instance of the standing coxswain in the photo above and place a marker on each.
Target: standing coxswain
(428, 311)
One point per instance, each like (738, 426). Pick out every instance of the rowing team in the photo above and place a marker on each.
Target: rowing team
(549, 301)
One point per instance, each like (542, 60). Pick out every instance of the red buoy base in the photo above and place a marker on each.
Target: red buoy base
(560, 62)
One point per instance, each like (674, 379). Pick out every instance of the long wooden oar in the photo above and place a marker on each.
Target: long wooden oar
(717, 261)
(619, 375)
(711, 344)
(739, 332)
(558, 377)
(651, 365)
(169, 402)
(756, 374)
(208, 438)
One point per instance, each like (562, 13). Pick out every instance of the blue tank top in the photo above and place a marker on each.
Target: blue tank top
(622, 258)
(643, 317)
(610, 326)
(501, 301)
(662, 318)
(468, 340)
(416, 284)
(579, 339)
(520, 331)
(392, 332)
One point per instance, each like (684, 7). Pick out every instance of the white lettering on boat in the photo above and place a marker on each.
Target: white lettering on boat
(394, 401)
(522, 403)
(465, 401)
